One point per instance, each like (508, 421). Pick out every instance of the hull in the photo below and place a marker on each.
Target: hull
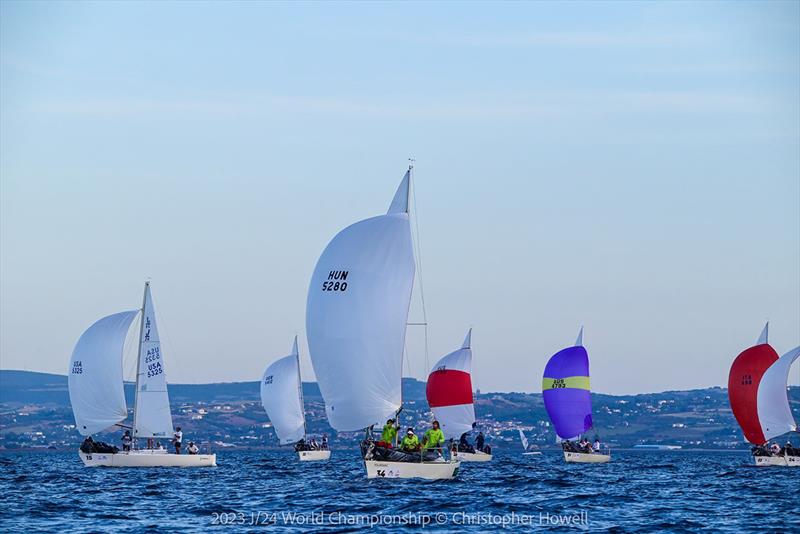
(781, 461)
(427, 470)
(472, 456)
(147, 458)
(313, 456)
(531, 453)
(586, 458)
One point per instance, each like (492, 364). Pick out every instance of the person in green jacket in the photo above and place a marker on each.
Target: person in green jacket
(434, 438)
(389, 434)
(410, 441)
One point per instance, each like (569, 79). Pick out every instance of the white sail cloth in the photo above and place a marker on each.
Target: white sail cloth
(523, 438)
(95, 374)
(774, 412)
(153, 418)
(356, 315)
(281, 396)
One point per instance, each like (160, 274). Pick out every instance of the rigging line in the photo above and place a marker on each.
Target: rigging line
(413, 185)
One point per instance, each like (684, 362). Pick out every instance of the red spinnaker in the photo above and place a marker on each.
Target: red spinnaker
(743, 381)
(449, 388)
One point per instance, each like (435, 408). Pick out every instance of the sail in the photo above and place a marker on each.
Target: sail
(152, 417)
(281, 396)
(356, 316)
(774, 413)
(565, 388)
(449, 391)
(524, 439)
(747, 372)
(95, 374)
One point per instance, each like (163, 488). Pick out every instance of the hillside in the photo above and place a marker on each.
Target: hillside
(35, 411)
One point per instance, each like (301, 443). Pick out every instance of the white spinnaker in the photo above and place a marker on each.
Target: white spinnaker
(455, 419)
(281, 397)
(152, 418)
(356, 315)
(523, 438)
(774, 412)
(95, 374)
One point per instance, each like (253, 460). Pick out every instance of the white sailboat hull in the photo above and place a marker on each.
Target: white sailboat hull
(477, 456)
(586, 458)
(784, 461)
(147, 458)
(313, 456)
(427, 470)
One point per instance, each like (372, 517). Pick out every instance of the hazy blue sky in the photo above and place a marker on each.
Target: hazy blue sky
(630, 167)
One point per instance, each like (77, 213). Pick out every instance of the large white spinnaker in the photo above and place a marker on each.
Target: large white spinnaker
(152, 417)
(95, 374)
(356, 315)
(449, 391)
(774, 412)
(282, 397)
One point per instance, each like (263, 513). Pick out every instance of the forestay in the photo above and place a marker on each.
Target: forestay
(281, 396)
(152, 417)
(449, 391)
(356, 315)
(95, 374)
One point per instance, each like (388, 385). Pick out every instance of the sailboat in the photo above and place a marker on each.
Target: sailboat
(97, 394)
(282, 398)
(356, 318)
(524, 440)
(757, 393)
(449, 393)
(568, 400)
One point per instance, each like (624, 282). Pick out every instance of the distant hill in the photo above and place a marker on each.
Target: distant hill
(29, 387)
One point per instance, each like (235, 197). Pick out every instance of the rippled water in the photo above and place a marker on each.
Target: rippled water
(638, 491)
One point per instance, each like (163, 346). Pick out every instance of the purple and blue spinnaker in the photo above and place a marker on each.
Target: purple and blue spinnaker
(565, 388)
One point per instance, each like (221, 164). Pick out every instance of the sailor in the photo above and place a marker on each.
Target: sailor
(389, 434)
(88, 445)
(314, 444)
(479, 441)
(463, 444)
(126, 441)
(300, 445)
(434, 438)
(324, 442)
(410, 441)
(192, 448)
(177, 439)
(775, 448)
(596, 446)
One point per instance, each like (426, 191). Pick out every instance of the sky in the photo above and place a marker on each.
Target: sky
(630, 167)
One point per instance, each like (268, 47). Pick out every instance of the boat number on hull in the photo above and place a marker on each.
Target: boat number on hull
(336, 281)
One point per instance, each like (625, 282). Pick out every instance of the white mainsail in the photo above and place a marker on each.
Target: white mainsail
(523, 438)
(282, 397)
(152, 417)
(96, 389)
(774, 412)
(356, 315)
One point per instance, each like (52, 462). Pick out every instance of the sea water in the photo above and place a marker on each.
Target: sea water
(639, 491)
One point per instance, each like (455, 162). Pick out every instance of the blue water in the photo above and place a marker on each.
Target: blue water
(637, 492)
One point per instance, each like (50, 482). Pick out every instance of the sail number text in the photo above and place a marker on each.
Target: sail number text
(152, 355)
(559, 383)
(335, 281)
(154, 369)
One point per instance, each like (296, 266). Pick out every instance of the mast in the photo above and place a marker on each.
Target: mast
(139, 359)
(300, 388)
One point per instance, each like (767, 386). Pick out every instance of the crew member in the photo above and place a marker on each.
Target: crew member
(410, 441)
(389, 434)
(126, 441)
(434, 438)
(177, 438)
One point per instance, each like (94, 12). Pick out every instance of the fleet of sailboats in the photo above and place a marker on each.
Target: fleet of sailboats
(757, 392)
(356, 318)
